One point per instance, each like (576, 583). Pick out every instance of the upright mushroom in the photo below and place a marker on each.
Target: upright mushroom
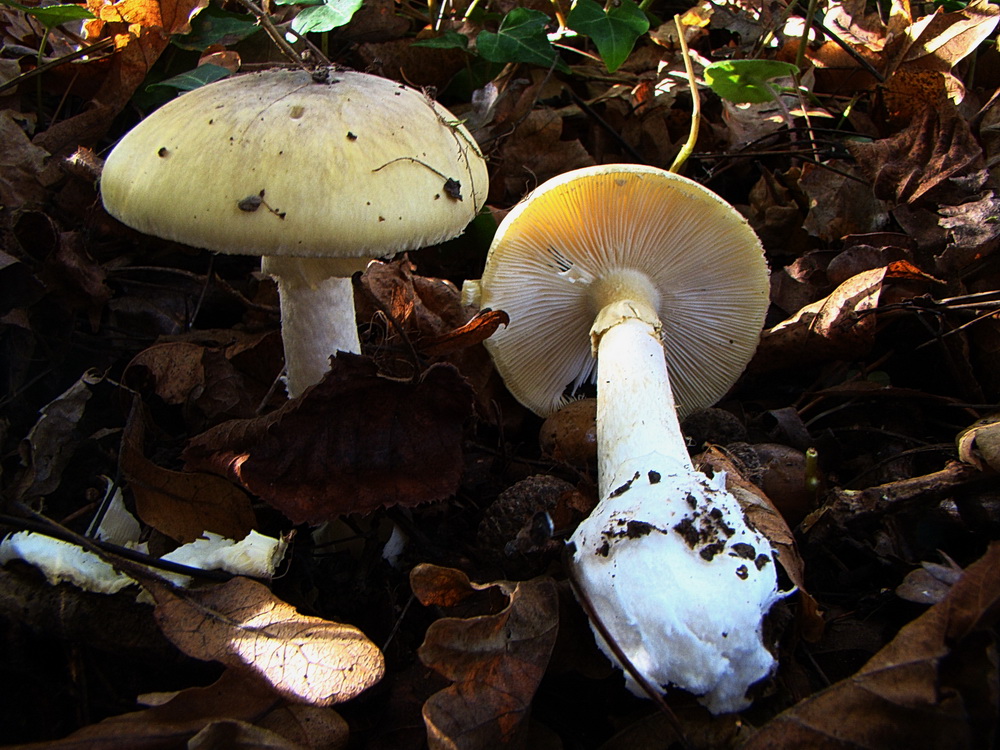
(317, 173)
(666, 285)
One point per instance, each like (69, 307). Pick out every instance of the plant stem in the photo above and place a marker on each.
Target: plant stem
(688, 147)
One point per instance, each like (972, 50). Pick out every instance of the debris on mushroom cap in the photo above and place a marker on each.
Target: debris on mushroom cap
(278, 163)
(701, 257)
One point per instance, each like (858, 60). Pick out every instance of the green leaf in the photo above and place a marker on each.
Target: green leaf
(332, 14)
(216, 26)
(449, 40)
(520, 38)
(746, 81)
(614, 32)
(53, 15)
(193, 79)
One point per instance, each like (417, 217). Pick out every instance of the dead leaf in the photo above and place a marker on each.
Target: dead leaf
(171, 724)
(142, 30)
(243, 625)
(197, 377)
(535, 152)
(936, 146)
(313, 727)
(979, 444)
(21, 164)
(973, 232)
(840, 324)
(181, 505)
(50, 445)
(839, 203)
(933, 685)
(385, 442)
(477, 330)
(496, 659)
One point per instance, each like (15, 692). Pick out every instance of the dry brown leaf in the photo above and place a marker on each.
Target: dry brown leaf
(973, 233)
(477, 330)
(840, 324)
(839, 203)
(534, 153)
(243, 625)
(142, 30)
(46, 451)
(936, 146)
(384, 442)
(233, 734)
(979, 444)
(190, 375)
(181, 505)
(21, 165)
(313, 727)
(496, 659)
(170, 725)
(932, 686)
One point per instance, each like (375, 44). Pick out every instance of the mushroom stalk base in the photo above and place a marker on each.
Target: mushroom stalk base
(668, 561)
(317, 315)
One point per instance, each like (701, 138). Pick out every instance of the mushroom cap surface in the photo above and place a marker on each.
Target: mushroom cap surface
(702, 258)
(279, 163)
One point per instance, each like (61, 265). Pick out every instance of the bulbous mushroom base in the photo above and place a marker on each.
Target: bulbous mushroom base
(680, 581)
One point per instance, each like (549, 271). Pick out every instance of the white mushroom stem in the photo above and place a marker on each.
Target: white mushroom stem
(667, 560)
(317, 314)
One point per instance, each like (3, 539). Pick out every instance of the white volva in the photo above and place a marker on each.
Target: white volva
(668, 563)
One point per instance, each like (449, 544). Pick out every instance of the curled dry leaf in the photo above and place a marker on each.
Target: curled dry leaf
(933, 685)
(496, 659)
(936, 146)
(839, 325)
(383, 442)
(171, 724)
(242, 624)
(979, 444)
(180, 504)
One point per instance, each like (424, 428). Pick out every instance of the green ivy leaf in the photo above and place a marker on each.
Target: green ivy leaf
(746, 81)
(520, 38)
(216, 26)
(53, 15)
(192, 79)
(331, 14)
(614, 32)
(450, 39)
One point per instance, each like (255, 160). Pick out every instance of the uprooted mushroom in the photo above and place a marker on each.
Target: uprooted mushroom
(663, 286)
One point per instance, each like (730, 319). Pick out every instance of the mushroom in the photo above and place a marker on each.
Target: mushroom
(317, 173)
(666, 286)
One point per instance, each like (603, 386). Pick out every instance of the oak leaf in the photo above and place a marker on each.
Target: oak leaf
(243, 625)
(496, 659)
(354, 442)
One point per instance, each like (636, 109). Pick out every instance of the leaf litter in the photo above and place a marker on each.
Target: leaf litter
(147, 371)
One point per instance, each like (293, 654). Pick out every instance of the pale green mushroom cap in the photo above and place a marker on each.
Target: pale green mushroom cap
(351, 166)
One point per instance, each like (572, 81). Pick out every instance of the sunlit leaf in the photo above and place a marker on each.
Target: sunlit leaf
(332, 14)
(53, 15)
(614, 31)
(746, 81)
